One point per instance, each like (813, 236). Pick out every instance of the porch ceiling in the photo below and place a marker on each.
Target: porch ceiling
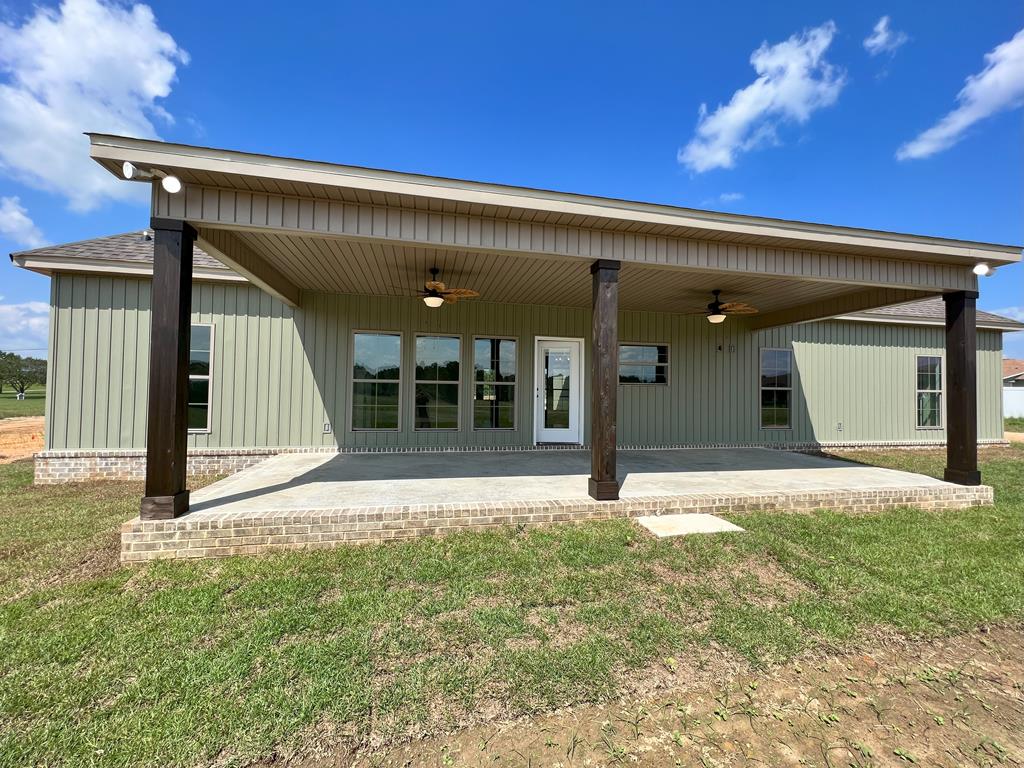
(339, 265)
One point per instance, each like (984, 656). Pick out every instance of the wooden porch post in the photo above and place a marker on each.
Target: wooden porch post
(962, 386)
(167, 432)
(604, 375)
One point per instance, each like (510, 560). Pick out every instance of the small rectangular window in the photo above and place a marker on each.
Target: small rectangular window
(376, 380)
(776, 388)
(200, 356)
(494, 383)
(929, 392)
(643, 364)
(437, 382)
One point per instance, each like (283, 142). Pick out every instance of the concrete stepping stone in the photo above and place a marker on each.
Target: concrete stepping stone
(664, 526)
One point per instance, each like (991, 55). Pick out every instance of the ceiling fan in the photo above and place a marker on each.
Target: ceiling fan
(435, 293)
(718, 310)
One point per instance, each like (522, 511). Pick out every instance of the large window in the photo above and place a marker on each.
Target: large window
(776, 388)
(437, 382)
(200, 355)
(376, 380)
(494, 383)
(643, 364)
(929, 392)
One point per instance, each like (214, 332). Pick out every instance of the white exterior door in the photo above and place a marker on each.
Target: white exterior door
(559, 413)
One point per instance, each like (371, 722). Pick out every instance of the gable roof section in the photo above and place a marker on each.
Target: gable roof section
(930, 311)
(249, 172)
(131, 253)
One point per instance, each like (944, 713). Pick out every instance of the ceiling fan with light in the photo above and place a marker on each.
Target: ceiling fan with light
(435, 293)
(718, 310)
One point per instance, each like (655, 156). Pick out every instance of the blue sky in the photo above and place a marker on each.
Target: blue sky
(840, 117)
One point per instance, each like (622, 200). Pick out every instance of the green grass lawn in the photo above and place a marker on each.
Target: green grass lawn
(1013, 424)
(32, 405)
(227, 661)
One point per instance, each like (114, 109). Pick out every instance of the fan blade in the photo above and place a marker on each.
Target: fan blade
(460, 293)
(434, 285)
(450, 299)
(738, 308)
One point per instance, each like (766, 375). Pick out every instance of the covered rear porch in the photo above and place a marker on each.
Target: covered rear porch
(313, 501)
(293, 228)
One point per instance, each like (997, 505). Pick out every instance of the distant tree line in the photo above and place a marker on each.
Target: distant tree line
(19, 373)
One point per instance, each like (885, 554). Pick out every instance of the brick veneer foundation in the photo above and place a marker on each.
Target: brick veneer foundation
(213, 534)
(78, 466)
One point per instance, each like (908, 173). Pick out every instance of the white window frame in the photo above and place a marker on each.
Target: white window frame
(667, 364)
(208, 377)
(761, 388)
(458, 384)
(941, 392)
(352, 380)
(514, 385)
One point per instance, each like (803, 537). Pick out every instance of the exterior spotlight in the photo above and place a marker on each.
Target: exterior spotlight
(171, 184)
(981, 269)
(133, 173)
(433, 301)
(716, 318)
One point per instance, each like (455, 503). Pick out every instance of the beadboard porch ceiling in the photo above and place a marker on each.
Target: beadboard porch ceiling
(337, 265)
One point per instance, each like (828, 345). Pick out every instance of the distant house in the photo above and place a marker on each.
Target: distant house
(1013, 373)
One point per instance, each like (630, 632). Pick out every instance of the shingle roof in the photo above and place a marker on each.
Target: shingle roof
(129, 246)
(1012, 368)
(933, 310)
(138, 247)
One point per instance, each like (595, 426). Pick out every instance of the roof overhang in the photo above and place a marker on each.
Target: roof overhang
(48, 265)
(228, 169)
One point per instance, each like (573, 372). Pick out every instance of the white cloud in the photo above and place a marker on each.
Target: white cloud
(793, 80)
(1016, 313)
(884, 39)
(24, 327)
(16, 224)
(87, 66)
(725, 197)
(998, 87)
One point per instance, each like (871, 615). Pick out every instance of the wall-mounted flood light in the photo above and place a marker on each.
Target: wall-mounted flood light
(170, 183)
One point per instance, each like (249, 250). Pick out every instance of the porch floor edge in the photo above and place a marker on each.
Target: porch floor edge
(211, 534)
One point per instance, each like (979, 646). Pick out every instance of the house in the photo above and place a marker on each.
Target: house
(285, 306)
(1013, 373)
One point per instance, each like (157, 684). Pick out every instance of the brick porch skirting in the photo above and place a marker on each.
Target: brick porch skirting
(212, 534)
(78, 466)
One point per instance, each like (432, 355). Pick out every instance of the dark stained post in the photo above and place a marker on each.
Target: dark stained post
(604, 379)
(962, 384)
(167, 433)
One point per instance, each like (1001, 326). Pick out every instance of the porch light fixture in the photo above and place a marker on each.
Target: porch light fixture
(981, 269)
(133, 173)
(170, 183)
(716, 318)
(433, 301)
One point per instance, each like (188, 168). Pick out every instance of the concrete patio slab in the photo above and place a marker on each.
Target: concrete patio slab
(315, 500)
(327, 481)
(666, 526)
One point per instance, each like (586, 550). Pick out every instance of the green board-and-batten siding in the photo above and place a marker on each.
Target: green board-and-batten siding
(280, 375)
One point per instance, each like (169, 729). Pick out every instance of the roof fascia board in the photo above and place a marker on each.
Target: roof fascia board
(49, 265)
(987, 325)
(160, 154)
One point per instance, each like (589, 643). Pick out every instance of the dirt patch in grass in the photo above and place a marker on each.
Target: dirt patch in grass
(949, 702)
(20, 438)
